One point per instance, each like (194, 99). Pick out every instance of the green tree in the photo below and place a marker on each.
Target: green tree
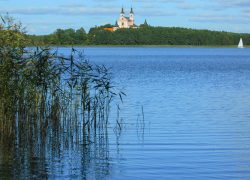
(80, 36)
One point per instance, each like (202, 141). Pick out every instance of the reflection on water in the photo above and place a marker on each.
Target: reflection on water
(186, 116)
(59, 157)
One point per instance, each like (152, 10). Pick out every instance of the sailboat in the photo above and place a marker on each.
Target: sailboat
(241, 44)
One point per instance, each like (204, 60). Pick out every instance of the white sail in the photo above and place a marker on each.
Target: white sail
(241, 44)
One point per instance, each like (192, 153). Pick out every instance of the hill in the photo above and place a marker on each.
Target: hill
(145, 35)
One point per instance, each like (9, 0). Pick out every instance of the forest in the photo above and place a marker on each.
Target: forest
(143, 35)
(61, 37)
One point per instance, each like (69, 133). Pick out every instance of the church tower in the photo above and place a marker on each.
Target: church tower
(123, 21)
(131, 17)
(122, 13)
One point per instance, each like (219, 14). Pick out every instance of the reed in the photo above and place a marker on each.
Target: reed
(43, 93)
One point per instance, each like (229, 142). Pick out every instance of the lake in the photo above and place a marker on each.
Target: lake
(186, 115)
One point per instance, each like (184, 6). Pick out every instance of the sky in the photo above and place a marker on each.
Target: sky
(44, 17)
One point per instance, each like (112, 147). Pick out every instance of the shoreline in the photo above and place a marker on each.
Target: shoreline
(146, 46)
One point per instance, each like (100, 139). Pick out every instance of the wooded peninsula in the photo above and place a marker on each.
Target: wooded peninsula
(144, 35)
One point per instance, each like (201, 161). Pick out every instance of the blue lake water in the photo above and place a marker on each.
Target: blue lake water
(196, 125)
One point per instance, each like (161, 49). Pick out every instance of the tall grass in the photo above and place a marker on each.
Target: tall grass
(43, 93)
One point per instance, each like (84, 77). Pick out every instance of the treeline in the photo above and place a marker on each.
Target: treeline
(144, 35)
(148, 35)
(61, 37)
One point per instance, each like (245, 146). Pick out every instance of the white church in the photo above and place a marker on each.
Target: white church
(124, 21)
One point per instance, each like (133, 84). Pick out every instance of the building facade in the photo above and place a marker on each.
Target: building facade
(126, 22)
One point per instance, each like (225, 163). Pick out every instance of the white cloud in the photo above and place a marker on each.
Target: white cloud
(60, 11)
(224, 19)
(188, 6)
(234, 3)
(81, 10)
(161, 1)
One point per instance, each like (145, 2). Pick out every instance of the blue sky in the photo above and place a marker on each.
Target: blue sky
(43, 17)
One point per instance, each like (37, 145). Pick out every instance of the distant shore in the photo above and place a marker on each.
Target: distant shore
(145, 36)
(150, 46)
